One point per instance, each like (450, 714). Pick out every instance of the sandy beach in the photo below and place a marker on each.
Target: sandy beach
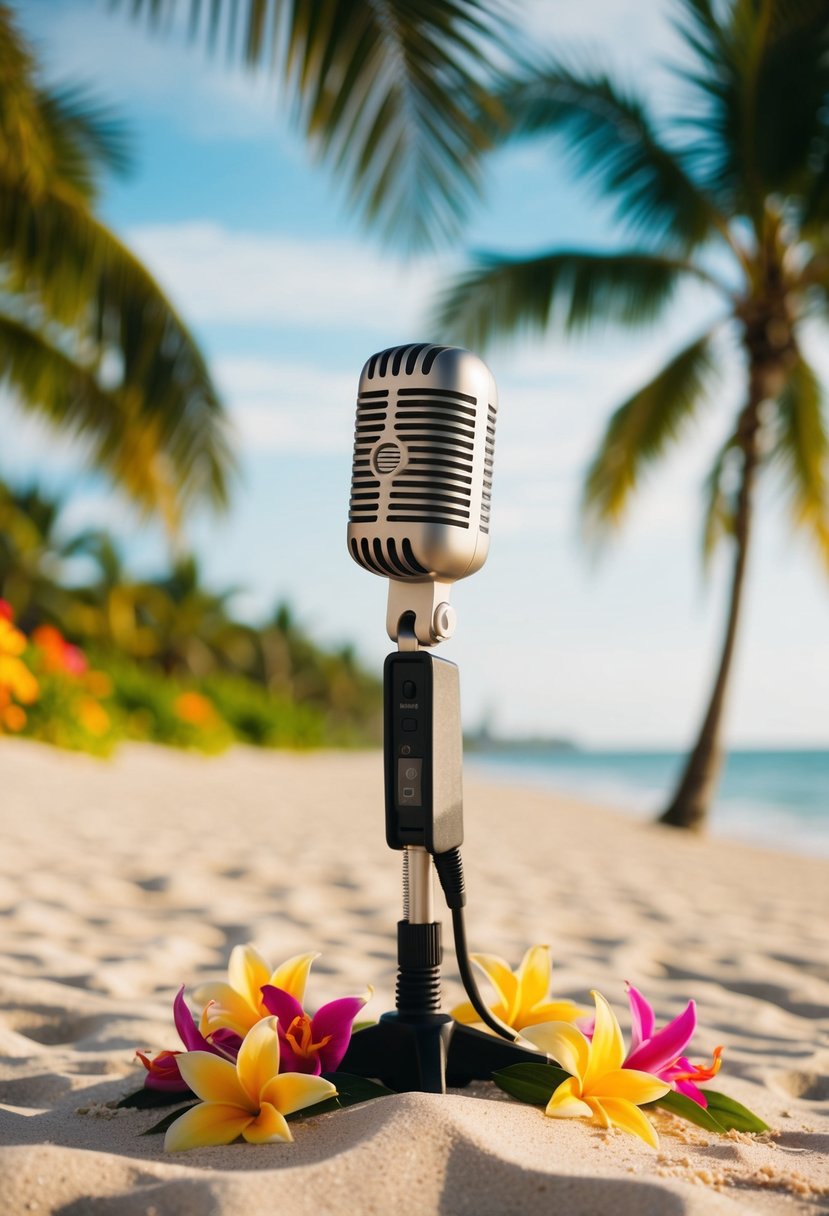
(119, 881)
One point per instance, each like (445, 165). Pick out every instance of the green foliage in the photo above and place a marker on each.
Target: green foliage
(568, 289)
(532, 1083)
(262, 718)
(720, 1115)
(396, 96)
(641, 429)
(802, 452)
(68, 715)
(737, 178)
(613, 142)
(732, 1114)
(350, 1091)
(743, 170)
(150, 709)
(162, 659)
(535, 1084)
(87, 337)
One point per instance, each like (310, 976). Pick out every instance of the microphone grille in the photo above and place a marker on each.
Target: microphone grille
(424, 442)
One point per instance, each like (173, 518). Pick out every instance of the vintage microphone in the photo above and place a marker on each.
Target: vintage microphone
(419, 516)
(421, 482)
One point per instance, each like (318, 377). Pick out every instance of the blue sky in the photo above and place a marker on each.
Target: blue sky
(289, 296)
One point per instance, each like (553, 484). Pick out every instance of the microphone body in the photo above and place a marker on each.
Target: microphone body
(421, 483)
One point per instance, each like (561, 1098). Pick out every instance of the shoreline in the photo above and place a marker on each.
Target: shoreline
(741, 819)
(122, 879)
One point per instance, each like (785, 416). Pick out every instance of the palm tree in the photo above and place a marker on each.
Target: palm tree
(114, 610)
(191, 624)
(734, 194)
(35, 554)
(395, 95)
(87, 338)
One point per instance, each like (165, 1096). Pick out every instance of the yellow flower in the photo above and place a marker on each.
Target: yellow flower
(93, 717)
(600, 1088)
(15, 676)
(523, 995)
(237, 1005)
(12, 641)
(248, 1098)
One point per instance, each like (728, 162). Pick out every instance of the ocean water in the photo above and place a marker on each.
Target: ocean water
(777, 799)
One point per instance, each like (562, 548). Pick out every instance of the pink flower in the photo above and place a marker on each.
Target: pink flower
(660, 1052)
(312, 1044)
(163, 1070)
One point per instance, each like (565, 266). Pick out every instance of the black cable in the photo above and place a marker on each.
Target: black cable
(450, 872)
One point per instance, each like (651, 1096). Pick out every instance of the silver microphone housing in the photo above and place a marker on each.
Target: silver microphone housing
(421, 482)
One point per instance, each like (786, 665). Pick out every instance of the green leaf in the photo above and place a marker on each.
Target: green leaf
(754, 119)
(396, 97)
(351, 1090)
(148, 1099)
(685, 1108)
(721, 1115)
(320, 1108)
(719, 497)
(158, 1128)
(568, 289)
(802, 452)
(533, 1083)
(730, 1113)
(641, 429)
(613, 142)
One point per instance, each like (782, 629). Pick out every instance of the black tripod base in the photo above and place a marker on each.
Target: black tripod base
(427, 1052)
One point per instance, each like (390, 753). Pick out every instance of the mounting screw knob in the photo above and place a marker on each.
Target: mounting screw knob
(444, 621)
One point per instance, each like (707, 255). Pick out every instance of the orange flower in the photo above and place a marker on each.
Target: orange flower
(57, 653)
(195, 709)
(14, 718)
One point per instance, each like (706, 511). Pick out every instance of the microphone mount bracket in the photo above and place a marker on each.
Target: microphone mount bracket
(422, 610)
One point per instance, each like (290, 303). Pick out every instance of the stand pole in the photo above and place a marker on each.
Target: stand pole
(417, 1047)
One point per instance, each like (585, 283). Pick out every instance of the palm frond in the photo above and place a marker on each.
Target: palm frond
(48, 382)
(802, 452)
(86, 137)
(614, 144)
(73, 272)
(641, 429)
(389, 92)
(759, 90)
(162, 463)
(25, 150)
(719, 496)
(52, 136)
(570, 289)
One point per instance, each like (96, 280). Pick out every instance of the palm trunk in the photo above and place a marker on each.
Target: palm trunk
(691, 802)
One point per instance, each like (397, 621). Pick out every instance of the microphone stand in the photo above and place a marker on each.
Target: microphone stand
(416, 1046)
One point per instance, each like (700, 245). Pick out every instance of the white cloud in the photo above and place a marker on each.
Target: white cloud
(241, 278)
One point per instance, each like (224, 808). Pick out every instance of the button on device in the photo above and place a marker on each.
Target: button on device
(409, 689)
(409, 773)
(409, 724)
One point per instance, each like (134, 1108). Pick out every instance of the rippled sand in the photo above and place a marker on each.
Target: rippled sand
(120, 881)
